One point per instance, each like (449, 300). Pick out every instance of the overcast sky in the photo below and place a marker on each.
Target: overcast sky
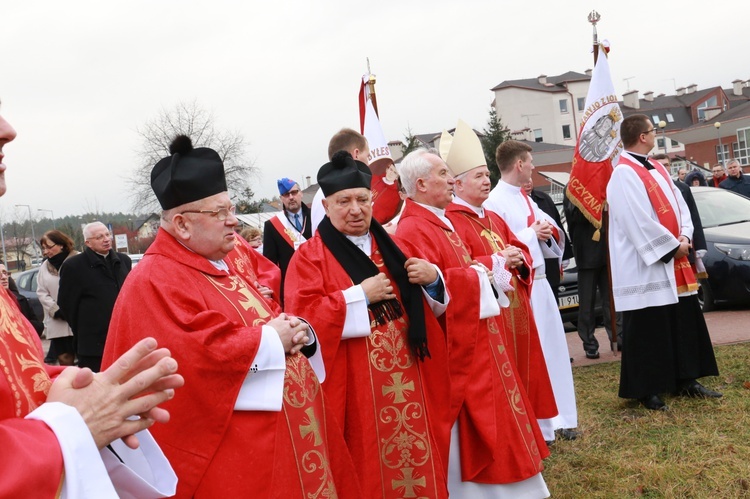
(78, 77)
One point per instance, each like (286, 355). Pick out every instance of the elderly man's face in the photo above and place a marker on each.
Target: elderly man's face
(474, 186)
(292, 200)
(734, 170)
(350, 210)
(99, 240)
(7, 134)
(438, 184)
(209, 235)
(4, 277)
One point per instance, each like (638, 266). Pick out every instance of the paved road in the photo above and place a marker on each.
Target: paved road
(725, 326)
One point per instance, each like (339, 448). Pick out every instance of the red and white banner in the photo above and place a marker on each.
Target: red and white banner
(598, 145)
(369, 125)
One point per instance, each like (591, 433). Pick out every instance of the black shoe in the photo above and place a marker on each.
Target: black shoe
(592, 354)
(653, 403)
(695, 389)
(567, 433)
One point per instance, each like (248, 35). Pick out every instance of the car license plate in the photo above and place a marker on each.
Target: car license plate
(567, 302)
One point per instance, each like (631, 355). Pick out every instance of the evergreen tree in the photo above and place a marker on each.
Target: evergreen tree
(495, 134)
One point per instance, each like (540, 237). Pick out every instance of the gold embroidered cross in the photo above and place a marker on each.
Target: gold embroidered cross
(662, 207)
(313, 427)
(408, 482)
(398, 387)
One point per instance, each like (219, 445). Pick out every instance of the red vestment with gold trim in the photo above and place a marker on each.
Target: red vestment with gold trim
(31, 460)
(483, 237)
(392, 408)
(500, 441)
(211, 322)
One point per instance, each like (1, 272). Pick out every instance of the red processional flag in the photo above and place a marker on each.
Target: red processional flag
(598, 145)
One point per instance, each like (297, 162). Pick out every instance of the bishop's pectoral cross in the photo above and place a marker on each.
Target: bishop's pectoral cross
(663, 208)
(495, 241)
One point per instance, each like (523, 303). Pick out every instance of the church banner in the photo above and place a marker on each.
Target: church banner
(598, 145)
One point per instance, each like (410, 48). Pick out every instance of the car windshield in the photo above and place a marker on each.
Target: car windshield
(721, 207)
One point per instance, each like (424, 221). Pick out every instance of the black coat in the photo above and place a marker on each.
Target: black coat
(589, 254)
(277, 249)
(25, 306)
(88, 289)
(699, 238)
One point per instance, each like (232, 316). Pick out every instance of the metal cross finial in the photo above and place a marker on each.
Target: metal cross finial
(594, 17)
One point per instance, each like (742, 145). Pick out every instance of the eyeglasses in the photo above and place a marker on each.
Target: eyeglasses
(293, 192)
(3, 273)
(649, 131)
(100, 237)
(221, 214)
(49, 246)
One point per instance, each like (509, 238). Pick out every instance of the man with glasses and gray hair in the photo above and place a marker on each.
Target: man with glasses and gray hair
(89, 285)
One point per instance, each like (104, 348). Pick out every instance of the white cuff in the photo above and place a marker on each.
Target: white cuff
(437, 307)
(488, 305)
(263, 388)
(357, 322)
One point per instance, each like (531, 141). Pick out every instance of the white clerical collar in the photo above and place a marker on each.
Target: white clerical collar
(478, 210)
(362, 242)
(440, 213)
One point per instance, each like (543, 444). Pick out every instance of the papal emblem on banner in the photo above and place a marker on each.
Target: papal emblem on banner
(598, 146)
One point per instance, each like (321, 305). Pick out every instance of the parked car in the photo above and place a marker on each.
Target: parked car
(135, 259)
(725, 216)
(27, 282)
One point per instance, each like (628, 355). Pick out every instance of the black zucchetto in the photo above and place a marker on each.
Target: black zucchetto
(343, 172)
(189, 174)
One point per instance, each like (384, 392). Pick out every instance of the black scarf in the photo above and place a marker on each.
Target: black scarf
(57, 260)
(360, 267)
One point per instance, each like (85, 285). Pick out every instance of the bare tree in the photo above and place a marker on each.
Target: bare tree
(187, 118)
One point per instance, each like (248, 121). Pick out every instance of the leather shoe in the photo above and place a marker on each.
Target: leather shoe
(653, 403)
(567, 433)
(592, 354)
(695, 389)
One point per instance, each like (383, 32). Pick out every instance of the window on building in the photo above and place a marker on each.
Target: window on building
(670, 118)
(674, 143)
(566, 131)
(581, 103)
(564, 106)
(722, 158)
(711, 102)
(660, 143)
(741, 148)
(538, 135)
(655, 119)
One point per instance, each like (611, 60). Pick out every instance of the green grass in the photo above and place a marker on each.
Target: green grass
(697, 449)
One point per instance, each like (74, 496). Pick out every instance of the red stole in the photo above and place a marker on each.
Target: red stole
(20, 359)
(684, 276)
(285, 232)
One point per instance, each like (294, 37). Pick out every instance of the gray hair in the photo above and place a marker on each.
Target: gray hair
(89, 228)
(414, 166)
(731, 162)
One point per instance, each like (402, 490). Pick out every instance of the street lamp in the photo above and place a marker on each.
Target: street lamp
(721, 148)
(33, 236)
(662, 126)
(51, 215)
